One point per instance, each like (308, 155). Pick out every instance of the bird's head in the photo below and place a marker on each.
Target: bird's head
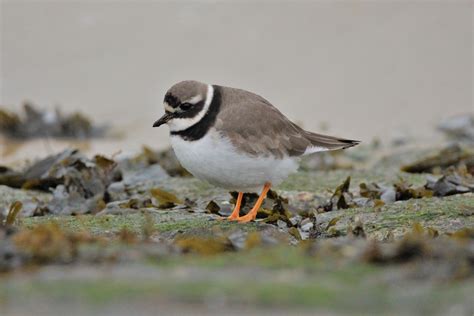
(185, 104)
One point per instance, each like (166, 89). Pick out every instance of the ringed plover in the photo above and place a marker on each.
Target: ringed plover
(236, 139)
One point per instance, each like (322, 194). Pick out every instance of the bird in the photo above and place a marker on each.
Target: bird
(237, 140)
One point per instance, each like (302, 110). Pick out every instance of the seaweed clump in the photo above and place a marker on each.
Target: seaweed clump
(451, 156)
(34, 123)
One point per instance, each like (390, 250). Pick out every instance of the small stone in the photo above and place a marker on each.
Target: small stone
(295, 220)
(388, 195)
(281, 224)
(303, 234)
(238, 239)
(361, 202)
(306, 227)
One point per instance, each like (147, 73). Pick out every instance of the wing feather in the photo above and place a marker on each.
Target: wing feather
(256, 127)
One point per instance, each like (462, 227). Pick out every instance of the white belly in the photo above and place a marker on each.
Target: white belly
(215, 160)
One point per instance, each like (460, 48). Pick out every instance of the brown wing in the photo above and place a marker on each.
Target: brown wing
(256, 127)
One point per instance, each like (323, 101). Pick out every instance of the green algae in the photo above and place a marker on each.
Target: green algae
(163, 222)
(322, 181)
(442, 214)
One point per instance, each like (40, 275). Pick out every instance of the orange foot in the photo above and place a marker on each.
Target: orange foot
(235, 213)
(253, 212)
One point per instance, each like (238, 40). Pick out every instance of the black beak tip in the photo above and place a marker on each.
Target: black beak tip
(162, 120)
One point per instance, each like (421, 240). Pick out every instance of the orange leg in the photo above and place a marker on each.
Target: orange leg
(235, 213)
(253, 212)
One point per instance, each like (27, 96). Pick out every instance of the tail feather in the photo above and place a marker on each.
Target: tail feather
(324, 142)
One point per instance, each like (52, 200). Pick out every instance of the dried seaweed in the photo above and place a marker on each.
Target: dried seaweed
(253, 240)
(293, 231)
(413, 245)
(341, 198)
(165, 199)
(204, 246)
(405, 191)
(78, 183)
(453, 155)
(454, 181)
(148, 227)
(48, 243)
(34, 123)
(165, 158)
(333, 222)
(15, 209)
(82, 185)
(213, 208)
(69, 168)
(463, 234)
(127, 237)
(356, 229)
(9, 121)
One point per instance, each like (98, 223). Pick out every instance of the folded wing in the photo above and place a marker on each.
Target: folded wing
(256, 127)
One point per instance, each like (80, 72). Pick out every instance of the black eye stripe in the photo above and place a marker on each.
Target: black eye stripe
(171, 100)
(186, 106)
(192, 111)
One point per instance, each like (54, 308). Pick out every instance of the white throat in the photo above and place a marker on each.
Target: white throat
(180, 124)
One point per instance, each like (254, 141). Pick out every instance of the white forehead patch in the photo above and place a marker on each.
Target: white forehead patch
(168, 107)
(180, 124)
(194, 100)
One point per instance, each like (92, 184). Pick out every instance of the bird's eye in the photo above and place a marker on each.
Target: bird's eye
(185, 106)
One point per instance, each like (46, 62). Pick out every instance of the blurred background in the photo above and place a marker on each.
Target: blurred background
(357, 69)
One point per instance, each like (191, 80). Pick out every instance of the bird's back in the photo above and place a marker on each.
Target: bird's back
(258, 128)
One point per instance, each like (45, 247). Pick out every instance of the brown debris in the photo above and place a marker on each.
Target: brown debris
(341, 198)
(274, 208)
(454, 181)
(463, 234)
(165, 158)
(148, 227)
(254, 239)
(127, 237)
(412, 246)
(33, 123)
(453, 155)
(49, 243)
(356, 229)
(213, 208)
(405, 191)
(204, 246)
(13, 212)
(69, 168)
(165, 199)
(78, 183)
